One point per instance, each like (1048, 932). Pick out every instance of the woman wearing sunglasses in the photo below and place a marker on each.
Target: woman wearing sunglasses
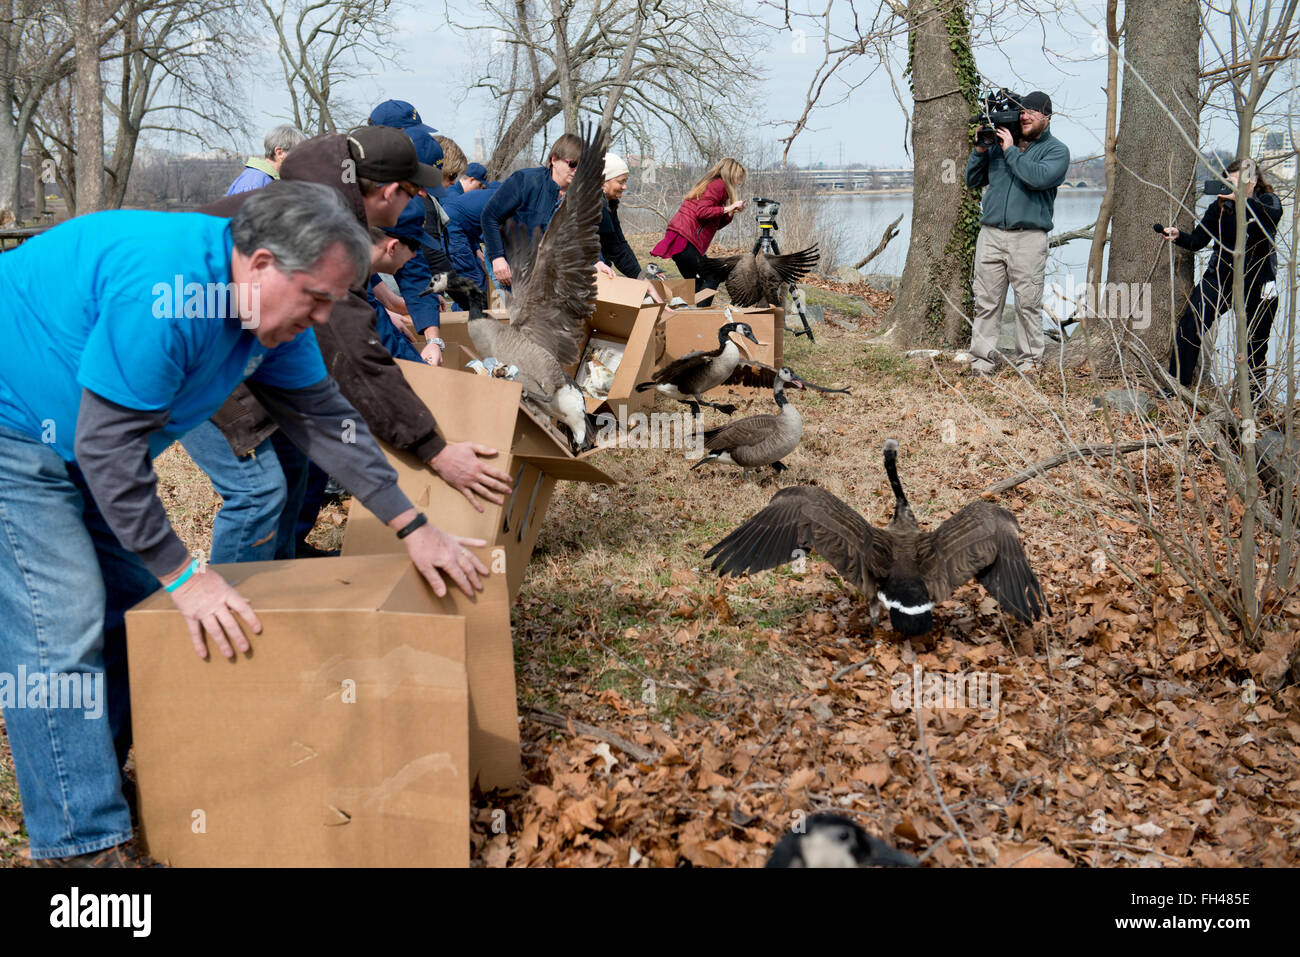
(529, 197)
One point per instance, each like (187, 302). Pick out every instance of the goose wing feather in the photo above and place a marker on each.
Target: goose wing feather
(983, 541)
(559, 293)
(812, 519)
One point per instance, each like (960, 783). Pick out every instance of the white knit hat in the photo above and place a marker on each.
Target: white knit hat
(614, 166)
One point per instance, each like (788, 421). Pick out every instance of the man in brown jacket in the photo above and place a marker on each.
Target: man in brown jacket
(260, 475)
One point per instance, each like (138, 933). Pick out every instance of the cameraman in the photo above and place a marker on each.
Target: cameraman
(1012, 246)
(1213, 294)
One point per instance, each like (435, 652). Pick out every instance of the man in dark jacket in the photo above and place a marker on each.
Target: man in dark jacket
(380, 172)
(1022, 180)
(530, 197)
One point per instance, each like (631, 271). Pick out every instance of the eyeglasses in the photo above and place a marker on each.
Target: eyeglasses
(572, 164)
(410, 189)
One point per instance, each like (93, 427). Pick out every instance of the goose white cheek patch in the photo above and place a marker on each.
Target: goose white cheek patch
(905, 609)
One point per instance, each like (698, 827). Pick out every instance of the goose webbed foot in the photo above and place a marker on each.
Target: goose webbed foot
(779, 467)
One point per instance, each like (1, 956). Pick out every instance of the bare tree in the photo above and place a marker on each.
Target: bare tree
(321, 45)
(679, 71)
(1156, 156)
(934, 300)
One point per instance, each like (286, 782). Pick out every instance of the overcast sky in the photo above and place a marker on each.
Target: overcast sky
(1063, 56)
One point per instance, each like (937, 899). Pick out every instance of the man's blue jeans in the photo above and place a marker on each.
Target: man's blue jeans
(261, 494)
(65, 587)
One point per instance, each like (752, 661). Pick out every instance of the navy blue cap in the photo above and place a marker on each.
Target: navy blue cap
(426, 147)
(398, 114)
(410, 225)
(476, 171)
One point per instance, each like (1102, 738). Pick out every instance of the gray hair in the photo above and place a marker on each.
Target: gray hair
(298, 223)
(284, 137)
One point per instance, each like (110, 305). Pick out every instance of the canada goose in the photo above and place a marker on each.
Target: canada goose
(757, 279)
(554, 293)
(760, 439)
(687, 378)
(906, 569)
(828, 840)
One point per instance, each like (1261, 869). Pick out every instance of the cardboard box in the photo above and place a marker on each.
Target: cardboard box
(485, 410)
(670, 289)
(343, 739)
(621, 318)
(694, 330)
(622, 315)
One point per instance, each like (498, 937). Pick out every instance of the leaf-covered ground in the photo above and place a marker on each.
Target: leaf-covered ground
(1124, 729)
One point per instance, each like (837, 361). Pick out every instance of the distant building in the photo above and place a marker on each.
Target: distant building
(1268, 147)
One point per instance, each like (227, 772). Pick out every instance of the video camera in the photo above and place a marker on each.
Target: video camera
(997, 109)
(1214, 187)
(765, 211)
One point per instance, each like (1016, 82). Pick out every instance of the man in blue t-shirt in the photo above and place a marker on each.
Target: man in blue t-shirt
(122, 330)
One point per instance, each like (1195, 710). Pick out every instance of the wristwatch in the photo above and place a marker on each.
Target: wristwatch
(436, 341)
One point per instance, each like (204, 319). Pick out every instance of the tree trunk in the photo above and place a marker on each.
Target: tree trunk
(624, 71)
(10, 164)
(1156, 156)
(934, 302)
(1101, 231)
(564, 66)
(90, 109)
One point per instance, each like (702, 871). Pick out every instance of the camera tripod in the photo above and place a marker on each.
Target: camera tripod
(766, 244)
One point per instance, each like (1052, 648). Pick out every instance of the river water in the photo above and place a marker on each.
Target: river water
(865, 216)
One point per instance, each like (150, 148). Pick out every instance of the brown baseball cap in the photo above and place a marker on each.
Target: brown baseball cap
(387, 155)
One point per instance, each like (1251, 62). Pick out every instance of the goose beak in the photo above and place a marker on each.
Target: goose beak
(797, 382)
(749, 334)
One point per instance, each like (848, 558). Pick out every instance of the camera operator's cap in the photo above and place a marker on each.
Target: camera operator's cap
(386, 155)
(476, 171)
(399, 115)
(1039, 102)
(614, 166)
(410, 225)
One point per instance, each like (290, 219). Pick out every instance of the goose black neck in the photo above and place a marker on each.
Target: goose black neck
(778, 393)
(891, 469)
(724, 335)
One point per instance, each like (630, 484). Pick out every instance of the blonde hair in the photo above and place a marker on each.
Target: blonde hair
(731, 173)
(453, 158)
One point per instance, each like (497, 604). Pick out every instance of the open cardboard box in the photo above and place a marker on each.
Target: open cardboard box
(696, 330)
(485, 410)
(620, 319)
(347, 737)
(670, 289)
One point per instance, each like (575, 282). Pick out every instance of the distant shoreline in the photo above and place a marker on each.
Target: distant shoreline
(906, 191)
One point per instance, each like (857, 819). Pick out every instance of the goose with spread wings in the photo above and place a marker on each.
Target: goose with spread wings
(554, 293)
(757, 279)
(906, 569)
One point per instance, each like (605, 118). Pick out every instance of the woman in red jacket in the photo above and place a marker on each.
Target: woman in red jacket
(707, 208)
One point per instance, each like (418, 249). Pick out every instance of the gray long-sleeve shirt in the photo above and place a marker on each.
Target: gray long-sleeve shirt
(112, 449)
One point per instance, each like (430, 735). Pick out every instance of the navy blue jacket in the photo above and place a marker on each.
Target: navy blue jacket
(465, 230)
(394, 339)
(529, 197)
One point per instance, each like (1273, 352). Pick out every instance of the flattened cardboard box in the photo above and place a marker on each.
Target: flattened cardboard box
(342, 739)
(485, 410)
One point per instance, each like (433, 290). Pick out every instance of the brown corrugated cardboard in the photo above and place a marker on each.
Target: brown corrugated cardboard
(693, 330)
(670, 289)
(342, 739)
(485, 410)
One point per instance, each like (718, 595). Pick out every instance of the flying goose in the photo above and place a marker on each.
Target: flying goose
(687, 378)
(828, 840)
(554, 293)
(760, 439)
(757, 279)
(906, 569)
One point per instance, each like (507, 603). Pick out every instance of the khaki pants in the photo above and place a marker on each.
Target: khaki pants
(1018, 257)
